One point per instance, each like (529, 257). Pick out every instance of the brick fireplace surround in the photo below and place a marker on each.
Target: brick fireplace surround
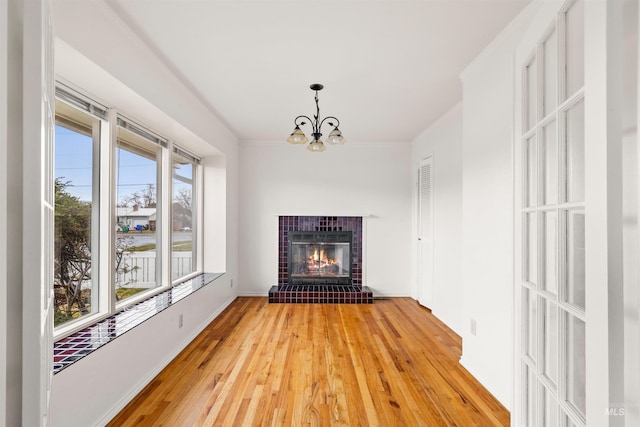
(355, 293)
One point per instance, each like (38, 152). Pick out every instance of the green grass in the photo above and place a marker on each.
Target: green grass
(185, 246)
(142, 248)
(123, 293)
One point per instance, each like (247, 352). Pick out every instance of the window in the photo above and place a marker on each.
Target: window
(76, 223)
(122, 194)
(183, 238)
(137, 242)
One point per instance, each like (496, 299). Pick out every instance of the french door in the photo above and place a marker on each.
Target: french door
(552, 215)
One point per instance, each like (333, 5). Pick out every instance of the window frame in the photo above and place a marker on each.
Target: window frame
(97, 116)
(159, 145)
(196, 206)
(104, 182)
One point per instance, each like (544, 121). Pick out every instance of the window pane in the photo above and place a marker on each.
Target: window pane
(531, 225)
(574, 157)
(550, 341)
(550, 282)
(533, 398)
(574, 22)
(575, 258)
(137, 198)
(550, 51)
(550, 163)
(568, 422)
(531, 164)
(550, 418)
(74, 229)
(575, 363)
(531, 94)
(530, 398)
(183, 229)
(530, 338)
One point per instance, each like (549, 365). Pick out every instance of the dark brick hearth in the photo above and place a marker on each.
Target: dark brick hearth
(325, 294)
(285, 292)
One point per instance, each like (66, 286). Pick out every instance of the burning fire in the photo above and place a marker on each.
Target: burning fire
(319, 260)
(322, 256)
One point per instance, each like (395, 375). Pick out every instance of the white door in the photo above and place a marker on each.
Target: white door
(562, 182)
(39, 122)
(425, 232)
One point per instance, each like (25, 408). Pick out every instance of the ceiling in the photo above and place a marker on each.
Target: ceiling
(389, 68)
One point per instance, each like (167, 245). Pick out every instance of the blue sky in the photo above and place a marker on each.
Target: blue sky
(73, 164)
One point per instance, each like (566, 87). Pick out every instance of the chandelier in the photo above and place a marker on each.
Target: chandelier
(298, 137)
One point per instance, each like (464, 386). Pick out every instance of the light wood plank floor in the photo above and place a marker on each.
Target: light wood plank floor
(387, 364)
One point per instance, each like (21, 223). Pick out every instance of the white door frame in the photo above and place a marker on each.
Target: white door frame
(37, 208)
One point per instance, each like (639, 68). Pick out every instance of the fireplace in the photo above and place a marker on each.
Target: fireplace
(319, 258)
(320, 261)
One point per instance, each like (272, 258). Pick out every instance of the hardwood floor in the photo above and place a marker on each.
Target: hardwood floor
(387, 364)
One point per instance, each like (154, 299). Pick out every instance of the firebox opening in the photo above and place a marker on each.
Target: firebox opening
(322, 258)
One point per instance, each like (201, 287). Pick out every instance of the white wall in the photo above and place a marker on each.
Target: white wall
(443, 141)
(487, 212)
(351, 180)
(97, 53)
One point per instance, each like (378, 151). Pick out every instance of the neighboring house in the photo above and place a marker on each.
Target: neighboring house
(134, 216)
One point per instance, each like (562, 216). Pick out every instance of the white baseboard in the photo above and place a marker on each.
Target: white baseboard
(253, 294)
(389, 295)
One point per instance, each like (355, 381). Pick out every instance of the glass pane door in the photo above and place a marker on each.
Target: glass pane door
(552, 254)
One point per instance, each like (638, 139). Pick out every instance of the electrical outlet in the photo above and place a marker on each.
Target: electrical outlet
(472, 327)
(232, 283)
(180, 322)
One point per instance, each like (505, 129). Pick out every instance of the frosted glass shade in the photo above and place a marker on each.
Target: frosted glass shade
(316, 146)
(297, 137)
(335, 137)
